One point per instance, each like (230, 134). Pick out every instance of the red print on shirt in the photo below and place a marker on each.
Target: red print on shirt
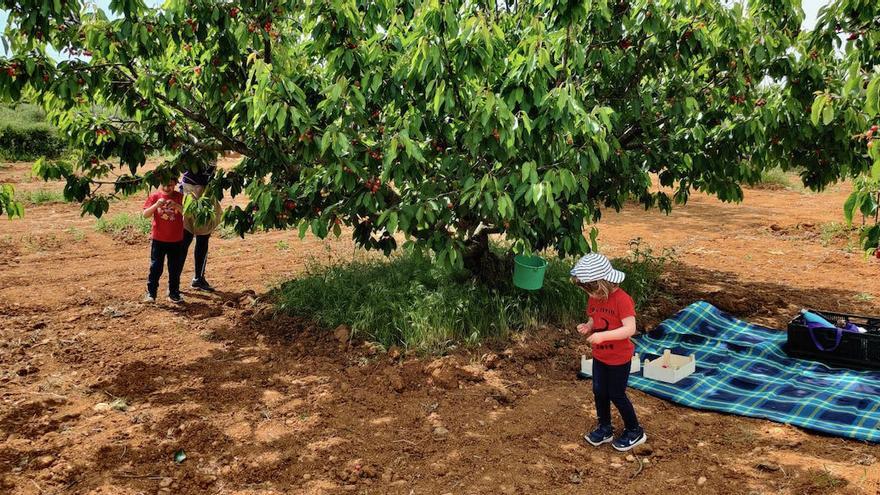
(607, 315)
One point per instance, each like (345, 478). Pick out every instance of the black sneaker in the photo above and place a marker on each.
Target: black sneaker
(149, 298)
(629, 439)
(201, 284)
(602, 434)
(175, 298)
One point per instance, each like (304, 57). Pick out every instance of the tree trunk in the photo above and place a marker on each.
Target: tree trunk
(485, 266)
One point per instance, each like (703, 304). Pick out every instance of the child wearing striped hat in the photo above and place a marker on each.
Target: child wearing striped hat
(612, 321)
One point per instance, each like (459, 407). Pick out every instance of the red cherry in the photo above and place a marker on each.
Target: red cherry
(198, 70)
(875, 128)
(289, 205)
(233, 12)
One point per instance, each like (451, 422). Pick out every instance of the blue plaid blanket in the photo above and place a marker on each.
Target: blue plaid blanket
(743, 369)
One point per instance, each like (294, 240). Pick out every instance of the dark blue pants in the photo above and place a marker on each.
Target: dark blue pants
(159, 253)
(200, 252)
(609, 385)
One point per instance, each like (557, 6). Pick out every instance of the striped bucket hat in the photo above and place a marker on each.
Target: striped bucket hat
(592, 267)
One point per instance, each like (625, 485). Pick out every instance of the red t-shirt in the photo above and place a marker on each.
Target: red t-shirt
(167, 222)
(608, 314)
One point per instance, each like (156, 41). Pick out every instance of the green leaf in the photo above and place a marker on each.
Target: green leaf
(854, 79)
(527, 122)
(526, 171)
(872, 98)
(818, 105)
(875, 170)
(438, 96)
(827, 114)
(391, 224)
(849, 207)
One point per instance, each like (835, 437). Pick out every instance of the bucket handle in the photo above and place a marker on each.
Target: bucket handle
(839, 336)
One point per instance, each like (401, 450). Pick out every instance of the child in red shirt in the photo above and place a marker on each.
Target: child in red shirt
(165, 208)
(612, 321)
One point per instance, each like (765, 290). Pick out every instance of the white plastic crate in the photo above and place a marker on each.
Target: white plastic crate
(669, 367)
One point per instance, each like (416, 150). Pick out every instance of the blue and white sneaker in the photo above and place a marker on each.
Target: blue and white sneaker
(602, 434)
(629, 439)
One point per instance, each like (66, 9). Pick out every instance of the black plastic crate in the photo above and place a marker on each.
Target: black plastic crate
(855, 350)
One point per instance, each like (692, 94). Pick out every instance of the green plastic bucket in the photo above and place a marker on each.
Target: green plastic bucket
(528, 272)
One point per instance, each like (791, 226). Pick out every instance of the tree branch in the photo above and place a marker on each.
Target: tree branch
(211, 129)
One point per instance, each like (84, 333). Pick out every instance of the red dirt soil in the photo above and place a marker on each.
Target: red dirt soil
(98, 391)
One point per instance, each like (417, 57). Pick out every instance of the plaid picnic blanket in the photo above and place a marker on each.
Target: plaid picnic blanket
(742, 369)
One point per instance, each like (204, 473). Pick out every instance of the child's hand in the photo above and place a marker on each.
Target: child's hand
(584, 328)
(596, 338)
(161, 201)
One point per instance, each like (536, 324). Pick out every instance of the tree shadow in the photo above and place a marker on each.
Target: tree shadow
(769, 303)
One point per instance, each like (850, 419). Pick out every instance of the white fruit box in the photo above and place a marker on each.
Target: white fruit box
(587, 366)
(669, 367)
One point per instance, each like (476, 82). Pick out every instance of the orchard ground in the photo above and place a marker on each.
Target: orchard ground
(98, 391)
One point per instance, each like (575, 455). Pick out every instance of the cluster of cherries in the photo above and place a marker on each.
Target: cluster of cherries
(374, 185)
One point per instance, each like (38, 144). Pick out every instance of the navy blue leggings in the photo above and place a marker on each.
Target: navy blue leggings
(609, 385)
(200, 252)
(159, 252)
